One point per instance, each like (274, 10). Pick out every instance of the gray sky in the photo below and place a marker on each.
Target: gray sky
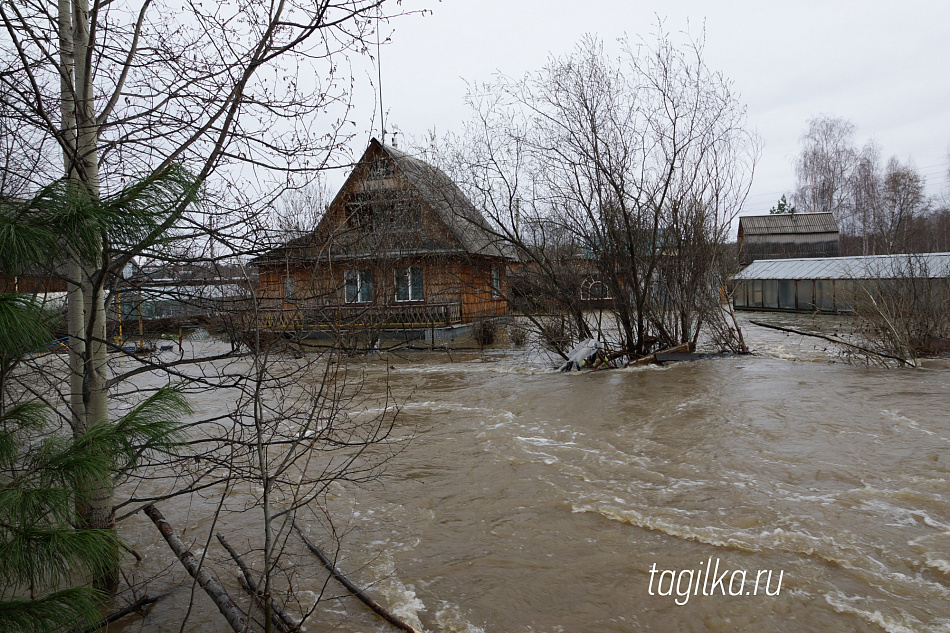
(883, 65)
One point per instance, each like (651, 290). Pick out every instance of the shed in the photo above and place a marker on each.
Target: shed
(787, 235)
(827, 284)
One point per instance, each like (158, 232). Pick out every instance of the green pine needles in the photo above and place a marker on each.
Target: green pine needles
(47, 557)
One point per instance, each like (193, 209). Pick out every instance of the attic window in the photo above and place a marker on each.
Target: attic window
(380, 169)
(388, 210)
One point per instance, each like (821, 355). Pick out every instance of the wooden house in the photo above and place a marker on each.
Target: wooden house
(400, 247)
(787, 235)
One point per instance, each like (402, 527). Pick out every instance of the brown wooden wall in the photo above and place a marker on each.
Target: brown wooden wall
(29, 284)
(445, 280)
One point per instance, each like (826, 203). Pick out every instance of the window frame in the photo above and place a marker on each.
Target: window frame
(409, 281)
(360, 280)
(495, 282)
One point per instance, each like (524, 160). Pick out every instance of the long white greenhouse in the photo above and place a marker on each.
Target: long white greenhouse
(827, 284)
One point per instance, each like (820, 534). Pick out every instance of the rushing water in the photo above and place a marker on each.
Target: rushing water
(534, 501)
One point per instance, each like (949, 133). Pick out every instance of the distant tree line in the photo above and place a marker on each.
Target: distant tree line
(881, 206)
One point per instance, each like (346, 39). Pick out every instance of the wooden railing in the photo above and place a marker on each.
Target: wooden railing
(355, 316)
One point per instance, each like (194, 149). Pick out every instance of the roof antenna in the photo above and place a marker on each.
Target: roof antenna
(379, 70)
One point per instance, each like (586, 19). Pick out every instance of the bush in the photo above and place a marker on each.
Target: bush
(484, 332)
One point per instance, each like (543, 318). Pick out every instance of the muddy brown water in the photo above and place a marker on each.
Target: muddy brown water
(533, 501)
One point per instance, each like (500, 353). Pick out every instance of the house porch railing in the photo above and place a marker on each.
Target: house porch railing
(360, 316)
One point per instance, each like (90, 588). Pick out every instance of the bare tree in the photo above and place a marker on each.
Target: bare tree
(880, 208)
(103, 93)
(618, 175)
(825, 168)
(902, 311)
(902, 203)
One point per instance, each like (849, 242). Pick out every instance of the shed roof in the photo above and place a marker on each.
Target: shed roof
(788, 223)
(931, 265)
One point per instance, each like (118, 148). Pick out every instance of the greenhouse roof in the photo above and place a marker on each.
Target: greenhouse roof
(931, 265)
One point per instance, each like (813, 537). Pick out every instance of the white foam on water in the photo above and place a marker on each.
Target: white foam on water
(450, 620)
(402, 599)
(935, 548)
(904, 624)
(903, 420)
(939, 564)
(731, 538)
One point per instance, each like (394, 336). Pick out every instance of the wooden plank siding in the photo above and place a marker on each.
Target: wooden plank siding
(319, 292)
(393, 213)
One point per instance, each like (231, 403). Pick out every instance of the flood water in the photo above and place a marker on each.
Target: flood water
(526, 500)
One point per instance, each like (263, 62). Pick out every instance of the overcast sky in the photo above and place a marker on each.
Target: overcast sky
(883, 65)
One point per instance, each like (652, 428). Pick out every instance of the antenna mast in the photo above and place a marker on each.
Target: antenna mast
(379, 71)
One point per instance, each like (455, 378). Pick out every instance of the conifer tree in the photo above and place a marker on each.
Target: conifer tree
(47, 470)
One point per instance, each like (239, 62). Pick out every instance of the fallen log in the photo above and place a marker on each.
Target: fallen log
(283, 622)
(649, 359)
(356, 591)
(831, 339)
(144, 601)
(231, 612)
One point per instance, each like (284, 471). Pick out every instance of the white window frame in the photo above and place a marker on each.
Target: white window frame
(589, 284)
(363, 279)
(413, 280)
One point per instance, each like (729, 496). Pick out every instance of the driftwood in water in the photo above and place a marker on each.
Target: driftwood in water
(649, 359)
(283, 622)
(144, 601)
(356, 591)
(231, 612)
(830, 339)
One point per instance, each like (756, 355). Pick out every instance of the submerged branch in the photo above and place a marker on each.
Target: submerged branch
(144, 601)
(283, 622)
(356, 591)
(832, 339)
(209, 583)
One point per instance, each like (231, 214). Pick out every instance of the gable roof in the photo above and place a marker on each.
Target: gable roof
(449, 203)
(796, 223)
(463, 221)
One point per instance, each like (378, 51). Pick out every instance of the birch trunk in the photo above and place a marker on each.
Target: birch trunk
(86, 322)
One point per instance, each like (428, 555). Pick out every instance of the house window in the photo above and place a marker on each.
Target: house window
(358, 286)
(288, 287)
(380, 169)
(409, 284)
(496, 281)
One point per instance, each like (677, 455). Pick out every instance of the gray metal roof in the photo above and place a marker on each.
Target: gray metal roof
(788, 223)
(932, 265)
